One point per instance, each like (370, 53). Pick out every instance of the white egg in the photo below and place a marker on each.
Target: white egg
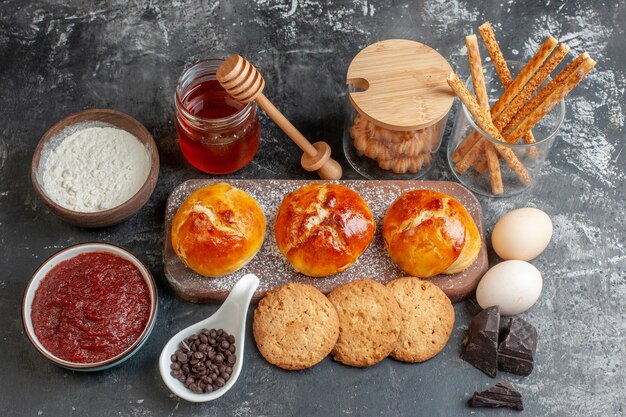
(522, 234)
(513, 285)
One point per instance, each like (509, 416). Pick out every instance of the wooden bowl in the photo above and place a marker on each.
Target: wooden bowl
(113, 215)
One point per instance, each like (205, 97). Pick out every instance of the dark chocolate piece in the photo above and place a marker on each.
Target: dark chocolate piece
(481, 348)
(516, 353)
(502, 394)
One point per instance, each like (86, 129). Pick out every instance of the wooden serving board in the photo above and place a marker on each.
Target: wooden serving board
(274, 270)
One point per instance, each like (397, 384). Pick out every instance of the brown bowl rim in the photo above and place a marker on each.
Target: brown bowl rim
(45, 138)
(142, 337)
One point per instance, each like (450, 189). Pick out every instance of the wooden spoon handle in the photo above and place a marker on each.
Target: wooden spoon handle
(243, 82)
(317, 156)
(285, 125)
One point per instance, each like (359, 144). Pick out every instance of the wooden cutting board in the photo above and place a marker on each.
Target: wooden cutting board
(273, 269)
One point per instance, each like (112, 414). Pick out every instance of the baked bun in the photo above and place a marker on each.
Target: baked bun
(218, 229)
(470, 249)
(426, 232)
(323, 228)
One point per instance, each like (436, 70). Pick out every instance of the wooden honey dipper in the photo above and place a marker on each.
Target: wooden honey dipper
(244, 83)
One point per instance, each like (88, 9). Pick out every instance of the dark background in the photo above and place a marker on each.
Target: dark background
(59, 57)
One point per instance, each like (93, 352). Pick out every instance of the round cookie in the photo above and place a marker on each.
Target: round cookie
(295, 326)
(427, 319)
(369, 322)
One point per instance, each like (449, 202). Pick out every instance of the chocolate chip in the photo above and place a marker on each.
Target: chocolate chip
(205, 360)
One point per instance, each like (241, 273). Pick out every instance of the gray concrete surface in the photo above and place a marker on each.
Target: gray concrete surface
(58, 57)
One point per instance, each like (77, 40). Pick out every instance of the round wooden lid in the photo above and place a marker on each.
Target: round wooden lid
(404, 84)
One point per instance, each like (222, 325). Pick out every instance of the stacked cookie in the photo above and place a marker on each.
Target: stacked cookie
(398, 151)
(360, 323)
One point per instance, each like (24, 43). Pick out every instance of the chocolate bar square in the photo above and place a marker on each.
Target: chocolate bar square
(481, 348)
(516, 353)
(502, 394)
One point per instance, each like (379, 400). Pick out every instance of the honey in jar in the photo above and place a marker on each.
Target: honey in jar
(217, 134)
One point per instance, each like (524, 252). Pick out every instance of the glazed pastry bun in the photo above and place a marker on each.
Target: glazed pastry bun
(427, 233)
(322, 229)
(218, 229)
(470, 249)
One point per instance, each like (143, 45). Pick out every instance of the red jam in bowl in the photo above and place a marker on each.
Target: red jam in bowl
(91, 307)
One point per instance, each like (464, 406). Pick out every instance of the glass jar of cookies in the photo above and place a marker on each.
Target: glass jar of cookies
(397, 109)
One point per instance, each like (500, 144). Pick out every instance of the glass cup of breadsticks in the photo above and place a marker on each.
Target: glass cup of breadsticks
(475, 174)
(507, 125)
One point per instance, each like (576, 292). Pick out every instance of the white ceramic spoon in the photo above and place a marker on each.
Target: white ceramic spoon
(231, 317)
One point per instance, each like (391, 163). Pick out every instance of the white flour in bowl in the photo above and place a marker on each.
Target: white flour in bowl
(95, 168)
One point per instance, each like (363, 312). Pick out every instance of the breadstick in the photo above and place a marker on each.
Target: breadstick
(532, 85)
(525, 74)
(493, 165)
(552, 100)
(528, 90)
(467, 144)
(476, 69)
(485, 124)
(470, 157)
(478, 81)
(481, 166)
(489, 37)
(545, 91)
(502, 69)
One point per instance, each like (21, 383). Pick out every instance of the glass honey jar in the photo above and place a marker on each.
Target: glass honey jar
(216, 133)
